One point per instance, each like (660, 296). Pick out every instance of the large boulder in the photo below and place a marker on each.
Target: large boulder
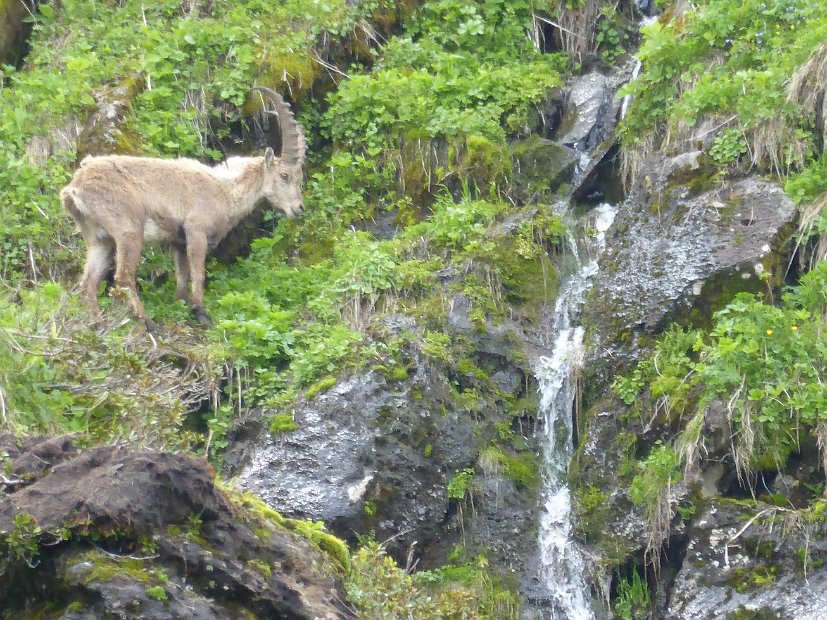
(108, 532)
(681, 247)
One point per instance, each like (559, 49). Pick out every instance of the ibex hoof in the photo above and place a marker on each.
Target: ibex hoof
(202, 317)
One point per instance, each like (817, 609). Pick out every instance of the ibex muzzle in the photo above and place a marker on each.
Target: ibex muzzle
(120, 203)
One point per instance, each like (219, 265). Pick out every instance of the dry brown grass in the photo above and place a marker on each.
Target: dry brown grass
(808, 88)
(808, 215)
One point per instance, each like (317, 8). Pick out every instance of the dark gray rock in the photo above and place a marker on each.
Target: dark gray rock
(14, 29)
(587, 98)
(542, 166)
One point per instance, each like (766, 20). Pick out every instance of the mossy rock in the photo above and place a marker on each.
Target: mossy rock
(105, 132)
(542, 165)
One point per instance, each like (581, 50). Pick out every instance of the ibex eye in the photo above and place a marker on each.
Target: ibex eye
(284, 176)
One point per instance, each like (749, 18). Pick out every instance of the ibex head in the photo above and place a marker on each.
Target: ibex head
(284, 176)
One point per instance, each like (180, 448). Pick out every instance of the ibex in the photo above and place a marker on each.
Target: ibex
(121, 202)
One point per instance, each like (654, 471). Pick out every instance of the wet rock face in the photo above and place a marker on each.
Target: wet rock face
(588, 99)
(112, 533)
(749, 561)
(542, 166)
(377, 454)
(682, 245)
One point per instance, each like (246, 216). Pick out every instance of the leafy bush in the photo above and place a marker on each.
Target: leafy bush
(807, 185)
(769, 364)
(461, 483)
(766, 363)
(730, 62)
(378, 588)
(460, 69)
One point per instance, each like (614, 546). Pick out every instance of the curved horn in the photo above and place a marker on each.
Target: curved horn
(293, 143)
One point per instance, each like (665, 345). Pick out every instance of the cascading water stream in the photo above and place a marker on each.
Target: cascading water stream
(562, 569)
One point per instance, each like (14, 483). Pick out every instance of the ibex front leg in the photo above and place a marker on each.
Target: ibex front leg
(197, 256)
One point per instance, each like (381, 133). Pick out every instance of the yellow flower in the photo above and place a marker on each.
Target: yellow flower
(769, 332)
(794, 328)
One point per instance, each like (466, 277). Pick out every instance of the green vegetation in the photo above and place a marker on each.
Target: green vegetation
(633, 601)
(23, 541)
(766, 362)
(157, 593)
(411, 110)
(658, 472)
(294, 313)
(381, 589)
(730, 64)
(282, 423)
(461, 484)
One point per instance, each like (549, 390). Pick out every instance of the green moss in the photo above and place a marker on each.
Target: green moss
(157, 593)
(261, 532)
(592, 510)
(744, 579)
(282, 423)
(742, 613)
(485, 161)
(394, 373)
(298, 67)
(522, 467)
(262, 567)
(544, 166)
(335, 547)
(436, 345)
(106, 567)
(311, 531)
(759, 547)
(322, 385)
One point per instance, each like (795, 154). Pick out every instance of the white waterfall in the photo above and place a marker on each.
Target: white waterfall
(562, 569)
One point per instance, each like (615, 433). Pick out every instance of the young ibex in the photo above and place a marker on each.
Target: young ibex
(121, 202)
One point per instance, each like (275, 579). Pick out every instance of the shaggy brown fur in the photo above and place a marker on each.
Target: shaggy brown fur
(119, 203)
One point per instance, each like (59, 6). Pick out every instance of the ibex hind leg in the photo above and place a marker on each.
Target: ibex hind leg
(196, 257)
(98, 261)
(128, 257)
(182, 272)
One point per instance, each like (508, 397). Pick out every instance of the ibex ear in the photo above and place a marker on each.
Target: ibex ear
(269, 156)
